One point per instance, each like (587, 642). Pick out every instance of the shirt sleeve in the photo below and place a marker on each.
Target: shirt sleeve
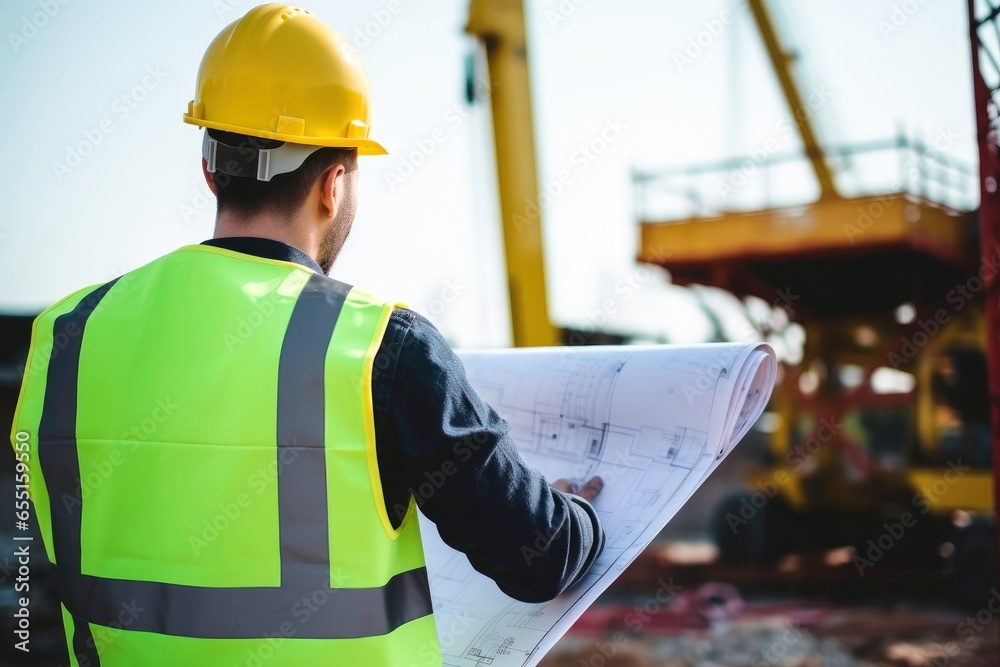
(438, 441)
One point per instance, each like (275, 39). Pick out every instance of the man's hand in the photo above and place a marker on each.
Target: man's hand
(588, 492)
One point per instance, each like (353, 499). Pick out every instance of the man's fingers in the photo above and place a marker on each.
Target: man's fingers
(591, 488)
(588, 492)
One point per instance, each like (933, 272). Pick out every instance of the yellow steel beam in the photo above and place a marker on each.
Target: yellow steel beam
(780, 62)
(836, 224)
(499, 24)
(952, 488)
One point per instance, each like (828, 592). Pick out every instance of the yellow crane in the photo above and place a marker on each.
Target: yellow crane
(850, 263)
(779, 63)
(499, 24)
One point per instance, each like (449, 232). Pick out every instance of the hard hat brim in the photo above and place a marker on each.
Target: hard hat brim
(364, 146)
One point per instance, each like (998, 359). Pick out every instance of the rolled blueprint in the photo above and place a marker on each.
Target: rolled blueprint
(652, 421)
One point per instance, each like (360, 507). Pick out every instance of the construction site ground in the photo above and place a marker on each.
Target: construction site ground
(803, 612)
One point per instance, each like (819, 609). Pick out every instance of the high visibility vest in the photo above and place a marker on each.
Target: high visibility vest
(201, 453)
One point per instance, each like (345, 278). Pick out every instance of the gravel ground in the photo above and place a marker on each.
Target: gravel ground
(860, 637)
(770, 643)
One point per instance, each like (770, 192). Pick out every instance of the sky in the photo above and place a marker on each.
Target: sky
(102, 176)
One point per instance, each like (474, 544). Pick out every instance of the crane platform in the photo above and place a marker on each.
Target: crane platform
(831, 258)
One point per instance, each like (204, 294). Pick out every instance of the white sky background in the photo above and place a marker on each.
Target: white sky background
(435, 237)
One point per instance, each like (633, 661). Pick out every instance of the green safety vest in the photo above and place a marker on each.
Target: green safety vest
(201, 452)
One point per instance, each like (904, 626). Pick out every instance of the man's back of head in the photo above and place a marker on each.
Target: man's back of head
(285, 102)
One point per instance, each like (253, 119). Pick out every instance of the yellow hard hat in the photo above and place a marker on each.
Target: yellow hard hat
(281, 73)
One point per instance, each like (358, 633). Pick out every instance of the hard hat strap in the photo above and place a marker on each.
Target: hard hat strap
(249, 162)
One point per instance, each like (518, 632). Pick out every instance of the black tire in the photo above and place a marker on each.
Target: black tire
(748, 533)
(973, 562)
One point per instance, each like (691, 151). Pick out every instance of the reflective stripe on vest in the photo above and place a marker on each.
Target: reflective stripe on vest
(305, 554)
(326, 492)
(57, 450)
(246, 613)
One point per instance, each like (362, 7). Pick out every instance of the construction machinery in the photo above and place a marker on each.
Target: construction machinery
(885, 419)
(884, 423)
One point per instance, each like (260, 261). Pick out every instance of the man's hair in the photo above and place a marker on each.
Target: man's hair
(284, 194)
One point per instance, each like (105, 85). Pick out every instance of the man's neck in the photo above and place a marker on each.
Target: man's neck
(293, 232)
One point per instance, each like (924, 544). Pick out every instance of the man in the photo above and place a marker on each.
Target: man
(225, 445)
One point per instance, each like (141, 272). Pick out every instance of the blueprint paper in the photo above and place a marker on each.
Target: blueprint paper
(652, 421)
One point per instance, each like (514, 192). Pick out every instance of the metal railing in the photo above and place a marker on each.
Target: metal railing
(762, 180)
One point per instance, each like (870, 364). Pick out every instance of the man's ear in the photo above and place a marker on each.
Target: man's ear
(331, 189)
(209, 177)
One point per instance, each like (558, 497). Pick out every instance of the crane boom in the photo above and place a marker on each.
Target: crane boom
(499, 24)
(779, 62)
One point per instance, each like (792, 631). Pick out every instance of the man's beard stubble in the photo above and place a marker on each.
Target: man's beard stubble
(336, 236)
(333, 243)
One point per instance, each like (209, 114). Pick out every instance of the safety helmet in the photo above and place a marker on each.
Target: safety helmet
(280, 73)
